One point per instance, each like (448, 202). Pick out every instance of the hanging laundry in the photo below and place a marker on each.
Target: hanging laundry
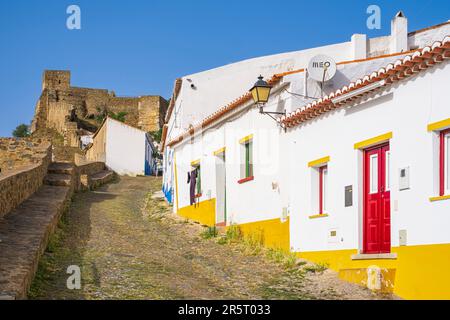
(193, 181)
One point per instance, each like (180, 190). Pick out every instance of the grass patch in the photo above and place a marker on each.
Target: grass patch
(316, 267)
(254, 242)
(280, 256)
(233, 233)
(209, 233)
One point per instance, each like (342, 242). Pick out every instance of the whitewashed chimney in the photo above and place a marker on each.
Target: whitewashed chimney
(359, 46)
(399, 33)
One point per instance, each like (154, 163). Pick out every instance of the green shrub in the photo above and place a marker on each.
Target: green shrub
(222, 240)
(120, 116)
(21, 131)
(280, 256)
(209, 232)
(233, 233)
(254, 241)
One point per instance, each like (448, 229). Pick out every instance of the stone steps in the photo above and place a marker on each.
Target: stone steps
(61, 180)
(25, 231)
(101, 178)
(61, 168)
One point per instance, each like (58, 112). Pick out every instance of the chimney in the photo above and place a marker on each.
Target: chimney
(359, 46)
(399, 33)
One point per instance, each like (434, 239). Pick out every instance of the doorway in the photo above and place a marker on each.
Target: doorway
(377, 200)
(221, 190)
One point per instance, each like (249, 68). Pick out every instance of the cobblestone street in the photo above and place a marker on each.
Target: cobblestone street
(129, 246)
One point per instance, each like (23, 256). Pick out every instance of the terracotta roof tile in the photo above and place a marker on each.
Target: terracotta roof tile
(219, 113)
(400, 69)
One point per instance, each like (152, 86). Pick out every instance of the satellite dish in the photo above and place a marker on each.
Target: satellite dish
(321, 68)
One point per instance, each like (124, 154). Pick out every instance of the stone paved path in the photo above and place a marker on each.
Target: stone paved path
(126, 252)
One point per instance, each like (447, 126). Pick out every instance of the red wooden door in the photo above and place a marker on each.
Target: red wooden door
(377, 200)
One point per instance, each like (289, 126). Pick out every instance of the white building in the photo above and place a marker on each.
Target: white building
(309, 188)
(123, 148)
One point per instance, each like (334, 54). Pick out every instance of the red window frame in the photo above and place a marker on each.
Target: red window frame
(442, 152)
(321, 195)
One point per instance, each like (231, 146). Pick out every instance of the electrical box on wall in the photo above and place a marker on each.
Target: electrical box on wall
(404, 179)
(348, 196)
(402, 235)
(333, 235)
(284, 214)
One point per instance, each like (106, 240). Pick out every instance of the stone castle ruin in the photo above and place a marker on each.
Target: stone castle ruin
(73, 111)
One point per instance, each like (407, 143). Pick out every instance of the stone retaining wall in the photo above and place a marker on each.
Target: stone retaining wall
(83, 173)
(15, 152)
(18, 184)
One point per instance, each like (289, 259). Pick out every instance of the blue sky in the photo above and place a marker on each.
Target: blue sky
(139, 47)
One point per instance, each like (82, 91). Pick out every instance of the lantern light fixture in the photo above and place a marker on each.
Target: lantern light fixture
(260, 94)
(261, 91)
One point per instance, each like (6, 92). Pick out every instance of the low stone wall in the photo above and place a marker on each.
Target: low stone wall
(19, 184)
(84, 172)
(15, 153)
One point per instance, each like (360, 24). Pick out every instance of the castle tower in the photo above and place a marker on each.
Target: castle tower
(56, 80)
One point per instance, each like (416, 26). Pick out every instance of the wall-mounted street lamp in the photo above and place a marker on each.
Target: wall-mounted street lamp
(260, 94)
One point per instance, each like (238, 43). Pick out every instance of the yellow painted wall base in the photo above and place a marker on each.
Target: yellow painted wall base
(275, 234)
(419, 272)
(204, 212)
(375, 278)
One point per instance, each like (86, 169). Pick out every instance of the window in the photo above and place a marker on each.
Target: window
(444, 163)
(373, 172)
(388, 171)
(323, 189)
(246, 160)
(319, 187)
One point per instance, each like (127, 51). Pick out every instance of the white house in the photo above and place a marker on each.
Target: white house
(199, 95)
(354, 176)
(123, 148)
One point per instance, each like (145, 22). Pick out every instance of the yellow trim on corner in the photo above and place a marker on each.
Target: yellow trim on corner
(318, 162)
(323, 215)
(446, 197)
(195, 162)
(373, 141)
(443, 124)
(220, 151)
(246, 138)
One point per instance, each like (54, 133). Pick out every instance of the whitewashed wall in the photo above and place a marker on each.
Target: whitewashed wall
(219, 86)
(251, 201)
(125, 148)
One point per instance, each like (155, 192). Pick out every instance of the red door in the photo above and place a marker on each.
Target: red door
(377, 200)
